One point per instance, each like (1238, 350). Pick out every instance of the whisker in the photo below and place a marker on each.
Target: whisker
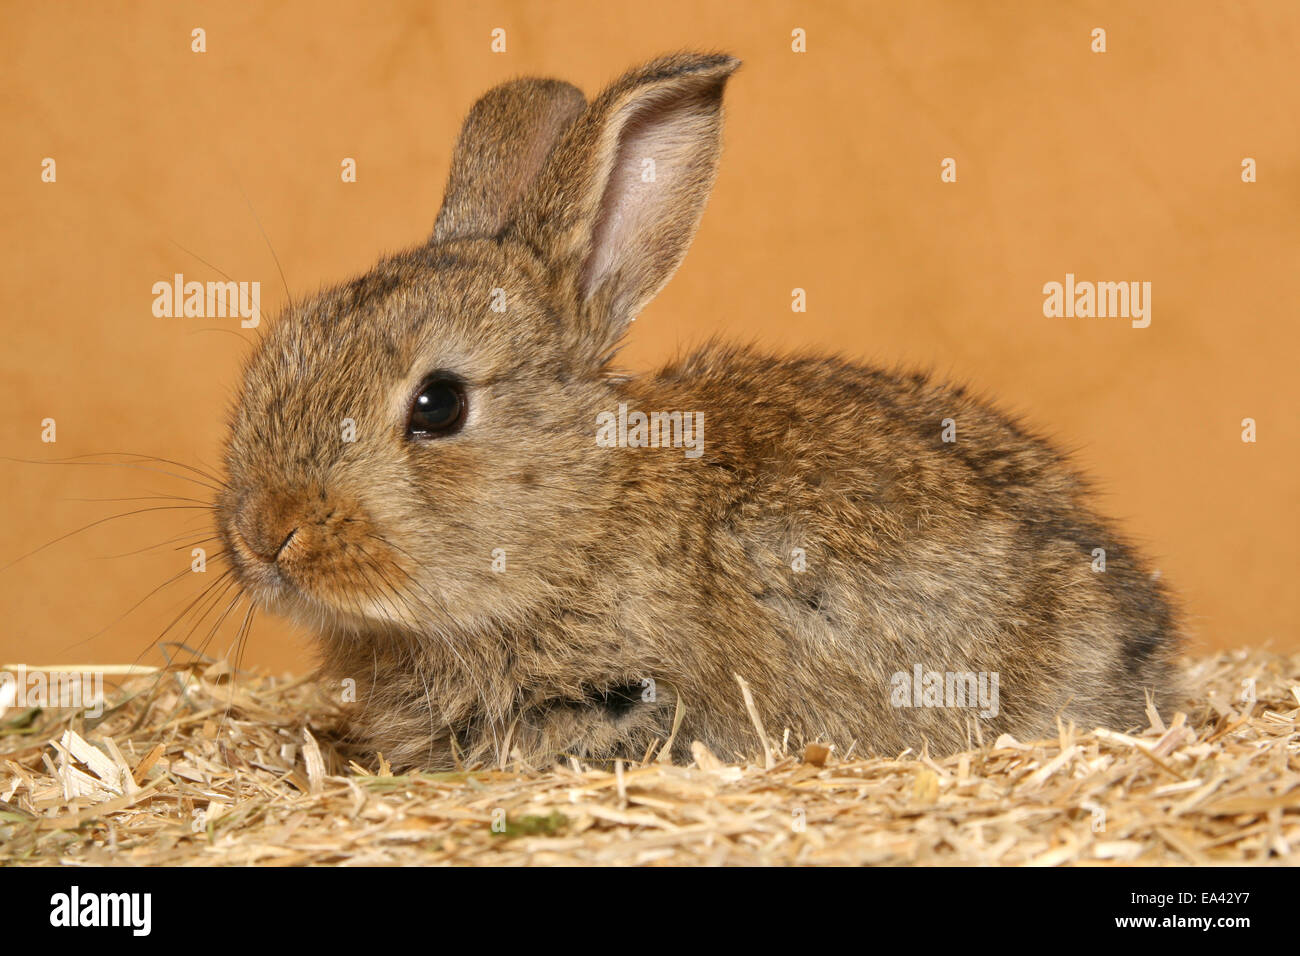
(267, 239)
(210, 476)
(216, 626)
(200, 501)
(201, 259)
(163, 647)
(127, 514)
(172, 580)
(163, 544)
(241, 638)
(243, 634)
(116, 464)
(176, 620)
(191, 252)
(201, 650)
(198, 654)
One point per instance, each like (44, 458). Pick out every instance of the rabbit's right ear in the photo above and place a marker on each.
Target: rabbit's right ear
(618, 203)
(503, 145)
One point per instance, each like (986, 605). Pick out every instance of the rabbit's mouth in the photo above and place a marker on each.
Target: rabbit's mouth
(292, 589)
(261, 574)
(318, 559)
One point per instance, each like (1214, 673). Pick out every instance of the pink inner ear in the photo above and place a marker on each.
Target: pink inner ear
(639, 222)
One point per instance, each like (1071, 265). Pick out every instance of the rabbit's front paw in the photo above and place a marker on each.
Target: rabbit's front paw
(619, 722)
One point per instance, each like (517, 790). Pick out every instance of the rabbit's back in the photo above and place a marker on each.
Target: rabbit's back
(846, 525)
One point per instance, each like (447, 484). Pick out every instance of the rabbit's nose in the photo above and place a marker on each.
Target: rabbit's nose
(268, 554)
(266, 527)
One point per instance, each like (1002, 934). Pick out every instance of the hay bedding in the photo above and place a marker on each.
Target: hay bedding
(191, 767)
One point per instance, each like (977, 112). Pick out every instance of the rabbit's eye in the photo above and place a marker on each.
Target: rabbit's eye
(439, 408)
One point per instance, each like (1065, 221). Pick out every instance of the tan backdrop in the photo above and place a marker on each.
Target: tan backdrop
(1123, 165)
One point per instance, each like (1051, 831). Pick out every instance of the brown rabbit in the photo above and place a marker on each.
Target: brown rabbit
(419, 471)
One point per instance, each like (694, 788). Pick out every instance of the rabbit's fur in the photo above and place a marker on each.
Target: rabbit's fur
(515, 591)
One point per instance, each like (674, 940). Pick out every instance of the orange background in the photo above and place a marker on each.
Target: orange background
(1115, 166)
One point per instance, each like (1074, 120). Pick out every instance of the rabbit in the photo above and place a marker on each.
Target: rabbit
(415, 473)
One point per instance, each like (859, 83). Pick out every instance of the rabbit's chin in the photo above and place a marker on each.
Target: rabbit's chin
(275, 591)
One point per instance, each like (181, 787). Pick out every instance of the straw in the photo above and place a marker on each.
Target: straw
(194, 767)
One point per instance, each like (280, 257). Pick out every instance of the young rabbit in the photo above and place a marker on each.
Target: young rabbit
(420, 471)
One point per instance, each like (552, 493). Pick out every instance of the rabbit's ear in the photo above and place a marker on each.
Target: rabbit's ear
(503, 146)
(622, 194)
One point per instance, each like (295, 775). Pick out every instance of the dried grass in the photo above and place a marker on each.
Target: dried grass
(196, 769)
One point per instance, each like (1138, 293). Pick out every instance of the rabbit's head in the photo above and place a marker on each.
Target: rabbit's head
(400, 437)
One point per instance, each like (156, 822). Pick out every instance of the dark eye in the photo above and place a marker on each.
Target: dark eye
(439, 408)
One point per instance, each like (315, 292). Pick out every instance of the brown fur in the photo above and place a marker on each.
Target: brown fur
(624, 565)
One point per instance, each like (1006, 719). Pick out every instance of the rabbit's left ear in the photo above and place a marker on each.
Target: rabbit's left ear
(502, 148)
(620, 198)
